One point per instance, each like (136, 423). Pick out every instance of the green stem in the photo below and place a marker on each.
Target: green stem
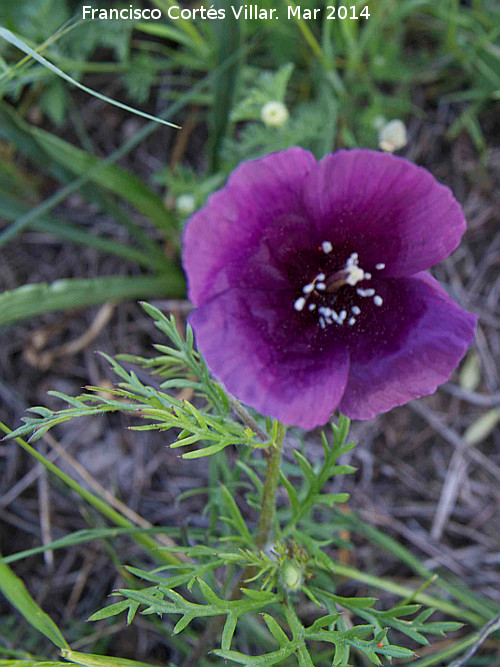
(214, 627)
(273, 454)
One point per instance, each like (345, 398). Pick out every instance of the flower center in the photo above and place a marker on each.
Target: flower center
(331, 297)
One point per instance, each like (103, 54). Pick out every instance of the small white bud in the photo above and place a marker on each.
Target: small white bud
(185, 204)
(274, 114)
(392, 136)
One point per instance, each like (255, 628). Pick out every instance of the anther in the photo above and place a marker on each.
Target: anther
(365, 292)
(299, 303)
(377, 300)
(380, 266)
(326, 247)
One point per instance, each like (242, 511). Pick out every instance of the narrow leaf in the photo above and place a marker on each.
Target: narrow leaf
(17, 594)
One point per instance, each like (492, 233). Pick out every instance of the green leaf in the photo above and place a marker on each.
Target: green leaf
(30, 663)
(16, 593)
(276, 630)
(331, 498)
(266, 660)
(292, 494)
(354, 603)
(237, 519)
(34, 299)
(228, 632)
(117, 608)
(91, 660)
(305, 466)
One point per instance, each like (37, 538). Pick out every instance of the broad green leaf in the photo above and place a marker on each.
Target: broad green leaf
(30, 663)
(17, 594)
(34, 299)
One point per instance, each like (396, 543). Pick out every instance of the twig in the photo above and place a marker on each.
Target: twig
(106, 495)
(490, 627)
(482, 400)
(453, 438)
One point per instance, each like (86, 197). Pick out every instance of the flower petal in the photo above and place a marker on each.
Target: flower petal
(420, 338)
(228, 229)
(384, 207)
(280, 370)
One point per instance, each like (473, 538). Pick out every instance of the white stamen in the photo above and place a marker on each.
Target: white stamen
(343, 315)
(365, 292)
(307, 289)
(326, 247)
(380, 266)
(312, 306)
(356, 310)
(320, 286)
(322, 323)
(368, 276)
(320, 276)
(300, 303)
(377, 300)
(351, 321)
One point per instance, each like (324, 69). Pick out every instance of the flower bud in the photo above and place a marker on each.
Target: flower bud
(392, 136)
(185, 204)
(274, 114)
(291, 575)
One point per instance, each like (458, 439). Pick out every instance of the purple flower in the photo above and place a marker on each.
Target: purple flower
(310, 285)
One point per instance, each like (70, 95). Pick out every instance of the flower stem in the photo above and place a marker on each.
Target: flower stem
(214, 628)
(273, 454)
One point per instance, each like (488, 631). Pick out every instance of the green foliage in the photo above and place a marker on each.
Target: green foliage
(257, 87)
(223, 574)
(211, 427)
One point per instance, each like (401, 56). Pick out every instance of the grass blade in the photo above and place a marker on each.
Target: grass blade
(227, 38)
(15, 41)
(17, 594)
(91, 660)
(12, 209)
(34, 299)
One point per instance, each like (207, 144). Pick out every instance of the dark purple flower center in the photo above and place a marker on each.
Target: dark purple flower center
(335, 295)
